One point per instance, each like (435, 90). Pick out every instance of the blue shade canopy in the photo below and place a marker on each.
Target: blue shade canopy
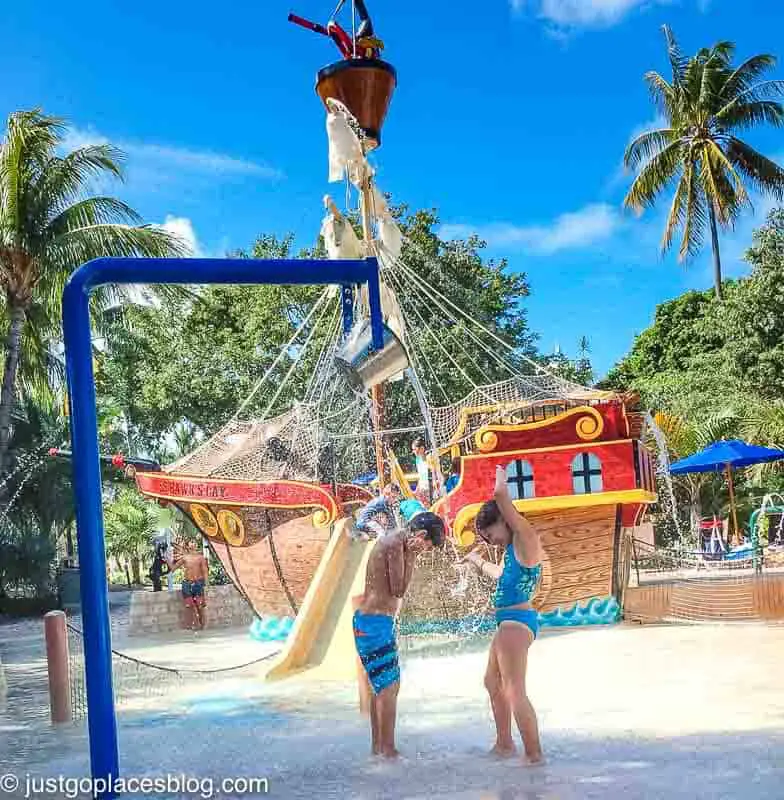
(717, 456)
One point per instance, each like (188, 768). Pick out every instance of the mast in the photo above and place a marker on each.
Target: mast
(377, 391)
(363, 84)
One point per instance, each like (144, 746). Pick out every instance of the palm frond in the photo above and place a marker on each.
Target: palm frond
(695, 214)
(663, 94)
(765, 175)
(677, 216)
(745, 75)
(91, 211)
(746, 115)
(64, 180)
(677, 60)
(80, 245)
(647, 145)
(722, 184)
(763, 424)
(723, 52)
(715, 427)
(654, 177)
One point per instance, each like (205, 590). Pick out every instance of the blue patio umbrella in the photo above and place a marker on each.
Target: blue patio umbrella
(725, 456)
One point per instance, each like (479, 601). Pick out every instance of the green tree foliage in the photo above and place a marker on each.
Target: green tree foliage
(716, 369)
(752, 324)
(706, 104)
(38, 507)
(130, 523)
(50, 224)
(193, 362)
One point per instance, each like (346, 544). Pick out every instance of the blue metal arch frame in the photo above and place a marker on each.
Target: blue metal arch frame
(102, 721)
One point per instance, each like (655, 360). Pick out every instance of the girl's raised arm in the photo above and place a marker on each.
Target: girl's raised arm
(525, 535)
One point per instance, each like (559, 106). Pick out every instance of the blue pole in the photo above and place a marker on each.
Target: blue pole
(376, 314)
(102, 722)
(347, 304)
(234, 271)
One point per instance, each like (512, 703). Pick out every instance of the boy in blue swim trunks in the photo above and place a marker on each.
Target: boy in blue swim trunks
(194, 582)
(389, 571)
(500, 524)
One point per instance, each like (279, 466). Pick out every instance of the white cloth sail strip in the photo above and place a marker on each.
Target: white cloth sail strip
(345, 150)
(340, 239)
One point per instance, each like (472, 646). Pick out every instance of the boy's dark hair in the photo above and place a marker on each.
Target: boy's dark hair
(488, 515)
(431, 524)
(420, 442)
(456, 465)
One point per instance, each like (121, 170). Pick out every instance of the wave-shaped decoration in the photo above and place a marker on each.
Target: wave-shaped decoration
(271, 629)
(590, 425)
(322, 518)
(597, 611)
(486, 440)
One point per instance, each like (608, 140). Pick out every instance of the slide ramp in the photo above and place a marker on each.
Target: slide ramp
(321, 642)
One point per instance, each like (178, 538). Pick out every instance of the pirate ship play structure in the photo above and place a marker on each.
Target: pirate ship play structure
(269, 493)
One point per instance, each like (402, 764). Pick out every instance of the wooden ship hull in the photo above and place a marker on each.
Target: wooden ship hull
(270, 537)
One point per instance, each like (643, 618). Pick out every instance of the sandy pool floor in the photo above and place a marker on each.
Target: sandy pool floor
(626, 712)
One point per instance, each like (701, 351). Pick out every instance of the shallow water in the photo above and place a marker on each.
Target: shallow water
(625, 712)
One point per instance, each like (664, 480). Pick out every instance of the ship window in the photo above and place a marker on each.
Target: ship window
(586, 474)
(520, 478)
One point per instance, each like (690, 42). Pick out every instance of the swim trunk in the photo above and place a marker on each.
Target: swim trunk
(526, 616)
(193, 592)
(374, 635)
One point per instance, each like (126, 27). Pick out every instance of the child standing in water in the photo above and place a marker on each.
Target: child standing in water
(500, 524)
(389, 572)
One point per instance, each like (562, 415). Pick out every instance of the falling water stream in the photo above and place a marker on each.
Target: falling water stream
(663, 473)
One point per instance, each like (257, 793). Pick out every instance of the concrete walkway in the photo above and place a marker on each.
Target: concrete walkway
(626, 712)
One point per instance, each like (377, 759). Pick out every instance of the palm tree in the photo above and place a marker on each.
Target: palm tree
(49, 226)
(707, 102)
(130, 523)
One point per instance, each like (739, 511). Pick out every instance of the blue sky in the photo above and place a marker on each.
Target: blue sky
(510, 117)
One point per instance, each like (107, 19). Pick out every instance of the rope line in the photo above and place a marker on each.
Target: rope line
(176, 670)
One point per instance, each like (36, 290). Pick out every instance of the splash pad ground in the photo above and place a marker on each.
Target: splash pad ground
(633, 712)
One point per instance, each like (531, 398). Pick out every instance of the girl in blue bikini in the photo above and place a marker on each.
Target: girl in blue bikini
(500, 524)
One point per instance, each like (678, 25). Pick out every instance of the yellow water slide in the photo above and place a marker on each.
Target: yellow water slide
(321, 642)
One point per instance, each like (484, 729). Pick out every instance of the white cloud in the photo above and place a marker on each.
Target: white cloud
(573, 230)
(167, 156)
(583, 13)
(182, 227)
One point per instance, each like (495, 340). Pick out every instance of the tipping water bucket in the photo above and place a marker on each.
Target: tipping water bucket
(367, 367)
(365, 87)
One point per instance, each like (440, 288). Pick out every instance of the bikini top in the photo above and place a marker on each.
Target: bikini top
(517, 582)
